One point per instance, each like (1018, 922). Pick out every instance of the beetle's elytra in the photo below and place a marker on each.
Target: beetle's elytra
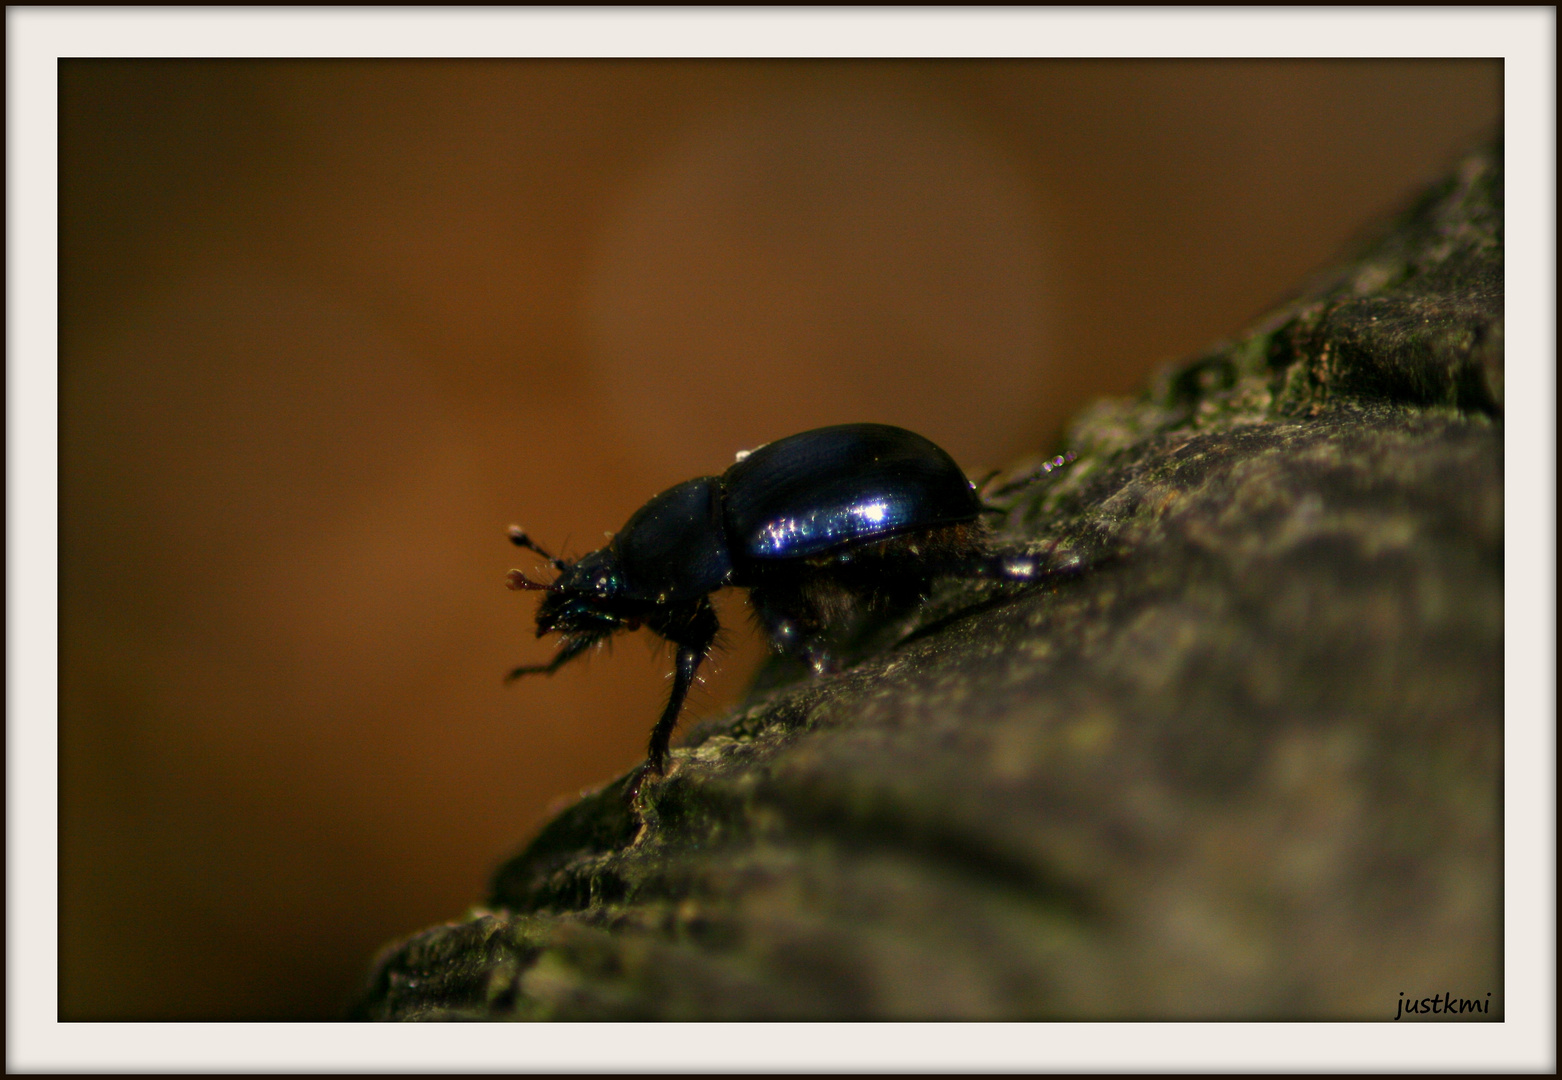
(820, 527)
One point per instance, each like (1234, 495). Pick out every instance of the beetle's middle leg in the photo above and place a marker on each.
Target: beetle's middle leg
(799, 622)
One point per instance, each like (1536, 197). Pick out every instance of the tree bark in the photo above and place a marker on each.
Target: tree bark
(1246, 764)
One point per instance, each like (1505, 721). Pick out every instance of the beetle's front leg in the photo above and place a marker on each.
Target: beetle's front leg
(694, 631)
(688, 662)
(655, 763)
(571, 648)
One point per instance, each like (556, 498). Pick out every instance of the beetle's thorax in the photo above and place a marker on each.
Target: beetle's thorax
(674, 549)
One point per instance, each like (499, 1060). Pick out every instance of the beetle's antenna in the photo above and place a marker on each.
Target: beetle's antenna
(519, 538)
(517, 580)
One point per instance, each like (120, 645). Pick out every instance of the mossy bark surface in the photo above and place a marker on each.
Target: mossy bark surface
(1245, 764)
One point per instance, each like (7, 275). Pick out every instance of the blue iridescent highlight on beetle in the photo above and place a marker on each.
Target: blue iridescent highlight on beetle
(833, 487)
(825, 529)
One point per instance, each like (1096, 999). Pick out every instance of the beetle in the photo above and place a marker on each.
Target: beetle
(822, 528)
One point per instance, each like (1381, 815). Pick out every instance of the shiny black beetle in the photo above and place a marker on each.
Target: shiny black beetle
(820, 527)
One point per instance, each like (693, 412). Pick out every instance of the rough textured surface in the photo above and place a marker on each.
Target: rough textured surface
(1246, 765)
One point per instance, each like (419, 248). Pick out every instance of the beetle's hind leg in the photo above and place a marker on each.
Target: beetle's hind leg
(1013, 483)
(1022, 567)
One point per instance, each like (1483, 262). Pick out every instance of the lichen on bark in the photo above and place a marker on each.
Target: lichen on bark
(1247, 764)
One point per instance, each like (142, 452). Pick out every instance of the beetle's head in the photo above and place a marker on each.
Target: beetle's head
(586, 597)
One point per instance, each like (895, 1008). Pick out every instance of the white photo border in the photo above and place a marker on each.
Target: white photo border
(38, 37)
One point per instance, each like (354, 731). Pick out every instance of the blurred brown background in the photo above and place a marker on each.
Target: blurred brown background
(328, 327)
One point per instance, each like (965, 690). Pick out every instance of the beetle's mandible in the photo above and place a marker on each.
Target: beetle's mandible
(820, 527)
